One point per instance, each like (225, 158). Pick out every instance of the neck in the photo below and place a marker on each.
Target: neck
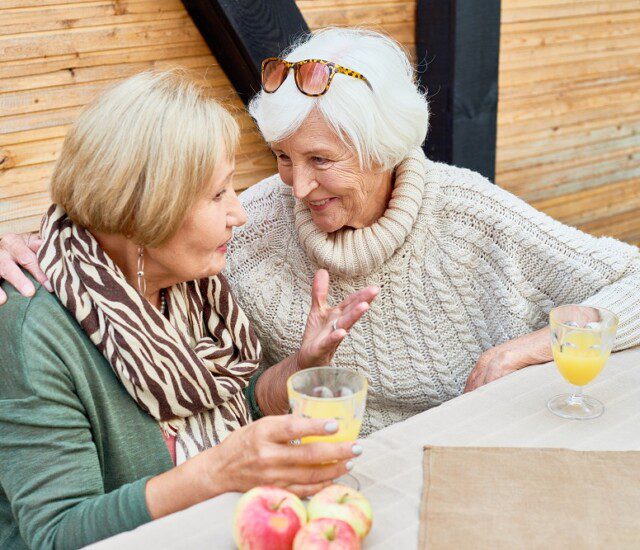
(378, 200)
(124, 254)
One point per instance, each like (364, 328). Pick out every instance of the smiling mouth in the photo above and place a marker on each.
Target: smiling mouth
(321, 204)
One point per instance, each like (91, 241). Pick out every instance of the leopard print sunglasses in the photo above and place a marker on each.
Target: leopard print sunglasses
(313, 76)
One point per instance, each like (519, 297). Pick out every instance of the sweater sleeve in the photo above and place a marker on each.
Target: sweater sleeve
(49, 466)
(560, 263)
(623, 298)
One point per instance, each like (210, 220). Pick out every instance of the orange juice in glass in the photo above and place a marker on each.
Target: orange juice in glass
(581, 358)
(329, 392)
(581, 341)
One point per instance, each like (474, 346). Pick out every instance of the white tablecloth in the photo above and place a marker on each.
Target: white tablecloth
(510, 412)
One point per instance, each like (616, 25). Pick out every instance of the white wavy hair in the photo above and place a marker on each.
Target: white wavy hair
(382, 123)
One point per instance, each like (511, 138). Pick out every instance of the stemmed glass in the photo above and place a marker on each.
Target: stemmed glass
(330, 392)
(581, 341)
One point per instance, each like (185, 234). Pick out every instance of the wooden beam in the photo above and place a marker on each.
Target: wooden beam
(241, 33)
(457, 46)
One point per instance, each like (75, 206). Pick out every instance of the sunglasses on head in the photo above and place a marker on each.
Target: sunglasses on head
(313, 76)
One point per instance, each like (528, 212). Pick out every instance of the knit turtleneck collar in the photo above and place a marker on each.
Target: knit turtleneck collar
(353, 252)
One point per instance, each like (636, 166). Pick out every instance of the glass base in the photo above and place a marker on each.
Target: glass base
(349, 480)
(574, 407)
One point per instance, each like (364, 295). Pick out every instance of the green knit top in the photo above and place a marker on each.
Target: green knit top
(75, 450)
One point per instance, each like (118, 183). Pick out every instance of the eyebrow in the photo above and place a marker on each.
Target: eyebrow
(321, 152)
(314, 151)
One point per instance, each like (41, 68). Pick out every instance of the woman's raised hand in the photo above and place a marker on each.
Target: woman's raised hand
(327, 326)
(20, 251)
(261, 454)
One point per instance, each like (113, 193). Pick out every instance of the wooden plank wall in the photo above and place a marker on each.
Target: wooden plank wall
(568, 119)
(569, 111)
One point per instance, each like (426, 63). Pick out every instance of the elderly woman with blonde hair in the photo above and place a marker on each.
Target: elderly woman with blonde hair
(122, 395)
(468, 272)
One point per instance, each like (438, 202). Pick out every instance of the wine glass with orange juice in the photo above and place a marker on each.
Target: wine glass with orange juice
(330, 392)
(581, 341)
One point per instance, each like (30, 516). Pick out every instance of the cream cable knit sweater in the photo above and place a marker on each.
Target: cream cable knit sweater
(462, 265)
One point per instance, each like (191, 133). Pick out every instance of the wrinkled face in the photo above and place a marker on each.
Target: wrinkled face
(326, 175)
(198, 249)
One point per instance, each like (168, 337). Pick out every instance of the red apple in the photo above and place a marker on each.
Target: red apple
(345, 503)
(326, 534)
(267, 518)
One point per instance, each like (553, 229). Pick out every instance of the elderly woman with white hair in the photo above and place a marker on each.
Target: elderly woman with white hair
(467, 271)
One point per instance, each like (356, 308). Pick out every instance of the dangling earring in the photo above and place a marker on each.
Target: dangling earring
(142, 282)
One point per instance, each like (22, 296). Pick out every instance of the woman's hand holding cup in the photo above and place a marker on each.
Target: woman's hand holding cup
(262, 454)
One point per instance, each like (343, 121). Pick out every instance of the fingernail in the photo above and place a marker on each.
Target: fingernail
(357, 450)
(349, 466)
(47, 285)
(331, 427)
(27, 290)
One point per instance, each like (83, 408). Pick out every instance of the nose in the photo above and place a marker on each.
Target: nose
(303, 182)
(236, 216)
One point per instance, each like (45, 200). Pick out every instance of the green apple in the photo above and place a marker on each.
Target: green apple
(344, 503)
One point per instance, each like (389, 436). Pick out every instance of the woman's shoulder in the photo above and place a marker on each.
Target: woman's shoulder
(467, 198)
(464, 191)
(36, 334)
(456, 181)
(20, 310)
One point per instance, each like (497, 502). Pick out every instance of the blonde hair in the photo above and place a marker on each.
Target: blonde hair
(139, 156)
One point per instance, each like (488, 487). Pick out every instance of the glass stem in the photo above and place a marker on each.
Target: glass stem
(576, 396)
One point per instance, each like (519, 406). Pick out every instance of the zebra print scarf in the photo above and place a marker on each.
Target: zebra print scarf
(188, 370)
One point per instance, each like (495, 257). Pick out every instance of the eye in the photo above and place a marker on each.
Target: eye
(283, 158)
(320, 160)
(219, 195)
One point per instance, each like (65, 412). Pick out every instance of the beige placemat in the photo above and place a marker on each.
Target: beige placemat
(529, 498)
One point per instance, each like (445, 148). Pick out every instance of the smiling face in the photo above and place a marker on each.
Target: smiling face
(326, 175)
(198, 249)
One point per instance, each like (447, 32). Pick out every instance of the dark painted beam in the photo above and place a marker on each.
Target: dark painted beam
(457, 45)
(241, 33)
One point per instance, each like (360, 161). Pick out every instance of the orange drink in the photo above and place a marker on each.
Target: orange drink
(327, 392)
(581, 341)
(581, 358)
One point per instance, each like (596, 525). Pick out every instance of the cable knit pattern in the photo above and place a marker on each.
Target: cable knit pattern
(462, 265)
